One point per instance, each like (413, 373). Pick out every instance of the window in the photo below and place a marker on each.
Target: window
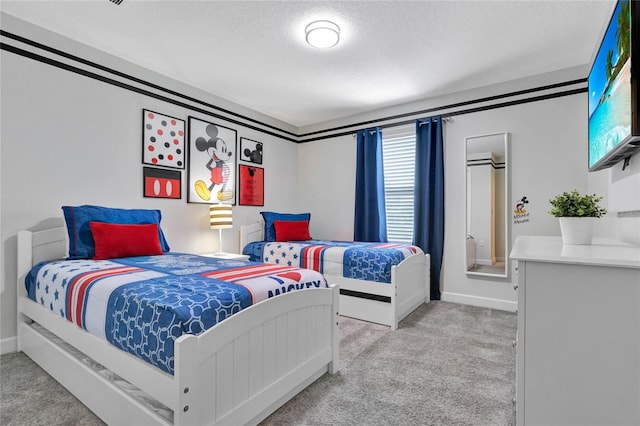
(399, 157)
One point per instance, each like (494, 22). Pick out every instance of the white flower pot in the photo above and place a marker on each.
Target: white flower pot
(577, 230)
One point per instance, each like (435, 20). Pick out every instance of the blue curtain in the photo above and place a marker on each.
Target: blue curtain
(370, 223)
(428, 227)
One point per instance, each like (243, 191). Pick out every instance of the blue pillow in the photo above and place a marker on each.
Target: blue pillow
(269, 217)
(81, 243)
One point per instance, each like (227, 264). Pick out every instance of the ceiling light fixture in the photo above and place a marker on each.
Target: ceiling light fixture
(322, 34)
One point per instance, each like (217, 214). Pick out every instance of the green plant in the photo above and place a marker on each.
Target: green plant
(572, 204)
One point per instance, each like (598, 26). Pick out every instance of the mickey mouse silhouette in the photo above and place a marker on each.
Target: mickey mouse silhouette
(217, 149)
(254, 156)
(520, 205)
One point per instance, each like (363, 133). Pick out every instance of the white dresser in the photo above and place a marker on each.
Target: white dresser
(578, 344)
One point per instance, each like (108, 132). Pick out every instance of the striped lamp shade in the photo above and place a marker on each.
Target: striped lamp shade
(220, 216)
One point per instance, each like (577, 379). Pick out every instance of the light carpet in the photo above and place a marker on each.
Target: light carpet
(447, 364)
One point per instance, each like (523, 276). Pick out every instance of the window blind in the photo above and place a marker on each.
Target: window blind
(398, 151)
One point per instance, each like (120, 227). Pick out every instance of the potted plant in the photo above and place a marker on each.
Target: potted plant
(577, 214)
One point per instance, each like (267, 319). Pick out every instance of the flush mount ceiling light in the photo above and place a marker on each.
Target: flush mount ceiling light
(322, 34)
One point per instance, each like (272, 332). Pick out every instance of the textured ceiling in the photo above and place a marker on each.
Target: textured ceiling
(391, 52)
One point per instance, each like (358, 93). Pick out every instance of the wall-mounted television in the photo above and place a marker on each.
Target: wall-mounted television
(614, 100)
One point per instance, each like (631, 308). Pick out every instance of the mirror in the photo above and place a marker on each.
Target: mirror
(487, 204)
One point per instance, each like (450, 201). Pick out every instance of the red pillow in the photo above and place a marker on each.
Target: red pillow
(117, 240)
(287, 230)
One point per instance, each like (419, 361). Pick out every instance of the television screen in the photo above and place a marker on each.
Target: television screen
(611, 98)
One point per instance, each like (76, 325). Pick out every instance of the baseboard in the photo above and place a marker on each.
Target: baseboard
(484, 302)
(9, 345)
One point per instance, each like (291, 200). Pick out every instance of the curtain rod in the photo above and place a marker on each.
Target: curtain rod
(426, 120)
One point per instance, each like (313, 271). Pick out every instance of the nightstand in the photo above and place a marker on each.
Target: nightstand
(227, 256)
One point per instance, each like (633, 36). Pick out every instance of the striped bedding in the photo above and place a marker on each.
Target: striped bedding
(357, 260)
(142, 304)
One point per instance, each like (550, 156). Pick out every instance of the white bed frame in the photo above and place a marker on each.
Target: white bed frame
(237, 372)
(376, 302)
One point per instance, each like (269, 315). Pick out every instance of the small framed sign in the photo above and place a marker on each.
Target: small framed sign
(251, 186)
(250, 151)
(162, 183)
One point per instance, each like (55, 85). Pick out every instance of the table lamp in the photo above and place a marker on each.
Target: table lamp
(220, 217)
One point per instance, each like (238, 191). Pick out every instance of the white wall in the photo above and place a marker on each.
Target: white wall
(326, 187)
(67, 140)
(621, 191)
(548, 155)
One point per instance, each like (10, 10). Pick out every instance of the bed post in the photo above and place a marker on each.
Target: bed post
(190, 395)
(393, 312)
(334, 365)
(25, 262)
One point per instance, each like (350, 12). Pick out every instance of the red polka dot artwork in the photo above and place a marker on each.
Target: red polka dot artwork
(162, 140)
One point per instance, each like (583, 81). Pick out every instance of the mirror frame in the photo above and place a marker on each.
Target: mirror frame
(506, 203)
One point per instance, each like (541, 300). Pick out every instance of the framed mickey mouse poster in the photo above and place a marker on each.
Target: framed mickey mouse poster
(162, 140)
(212, 163)
(250, 151)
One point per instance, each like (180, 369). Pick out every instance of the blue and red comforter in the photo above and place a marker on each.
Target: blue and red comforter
(142, 304)
(357, 260)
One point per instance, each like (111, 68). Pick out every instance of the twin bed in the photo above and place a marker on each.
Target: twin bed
(238, 371)
(173, 338)
(380, 283)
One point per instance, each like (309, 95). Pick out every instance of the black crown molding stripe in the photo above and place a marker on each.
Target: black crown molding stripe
(461, 112)
(76, 70)
(520, 101)
(451, 106)
(136, 79)
(328, 133)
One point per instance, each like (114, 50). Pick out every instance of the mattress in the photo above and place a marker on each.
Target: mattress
(357, 260)
(142, 304)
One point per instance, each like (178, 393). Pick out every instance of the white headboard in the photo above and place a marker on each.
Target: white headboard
(251, 233)
(37, 246)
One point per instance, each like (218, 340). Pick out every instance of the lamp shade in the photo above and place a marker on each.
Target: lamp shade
(220, 216)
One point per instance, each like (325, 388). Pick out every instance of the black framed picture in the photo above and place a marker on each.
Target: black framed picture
(250, 151)
(162, 183)
(162, 140)
(212, 163)
(251, 187)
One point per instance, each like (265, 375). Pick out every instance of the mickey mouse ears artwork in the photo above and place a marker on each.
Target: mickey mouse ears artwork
(250, 151)
(212, 163)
